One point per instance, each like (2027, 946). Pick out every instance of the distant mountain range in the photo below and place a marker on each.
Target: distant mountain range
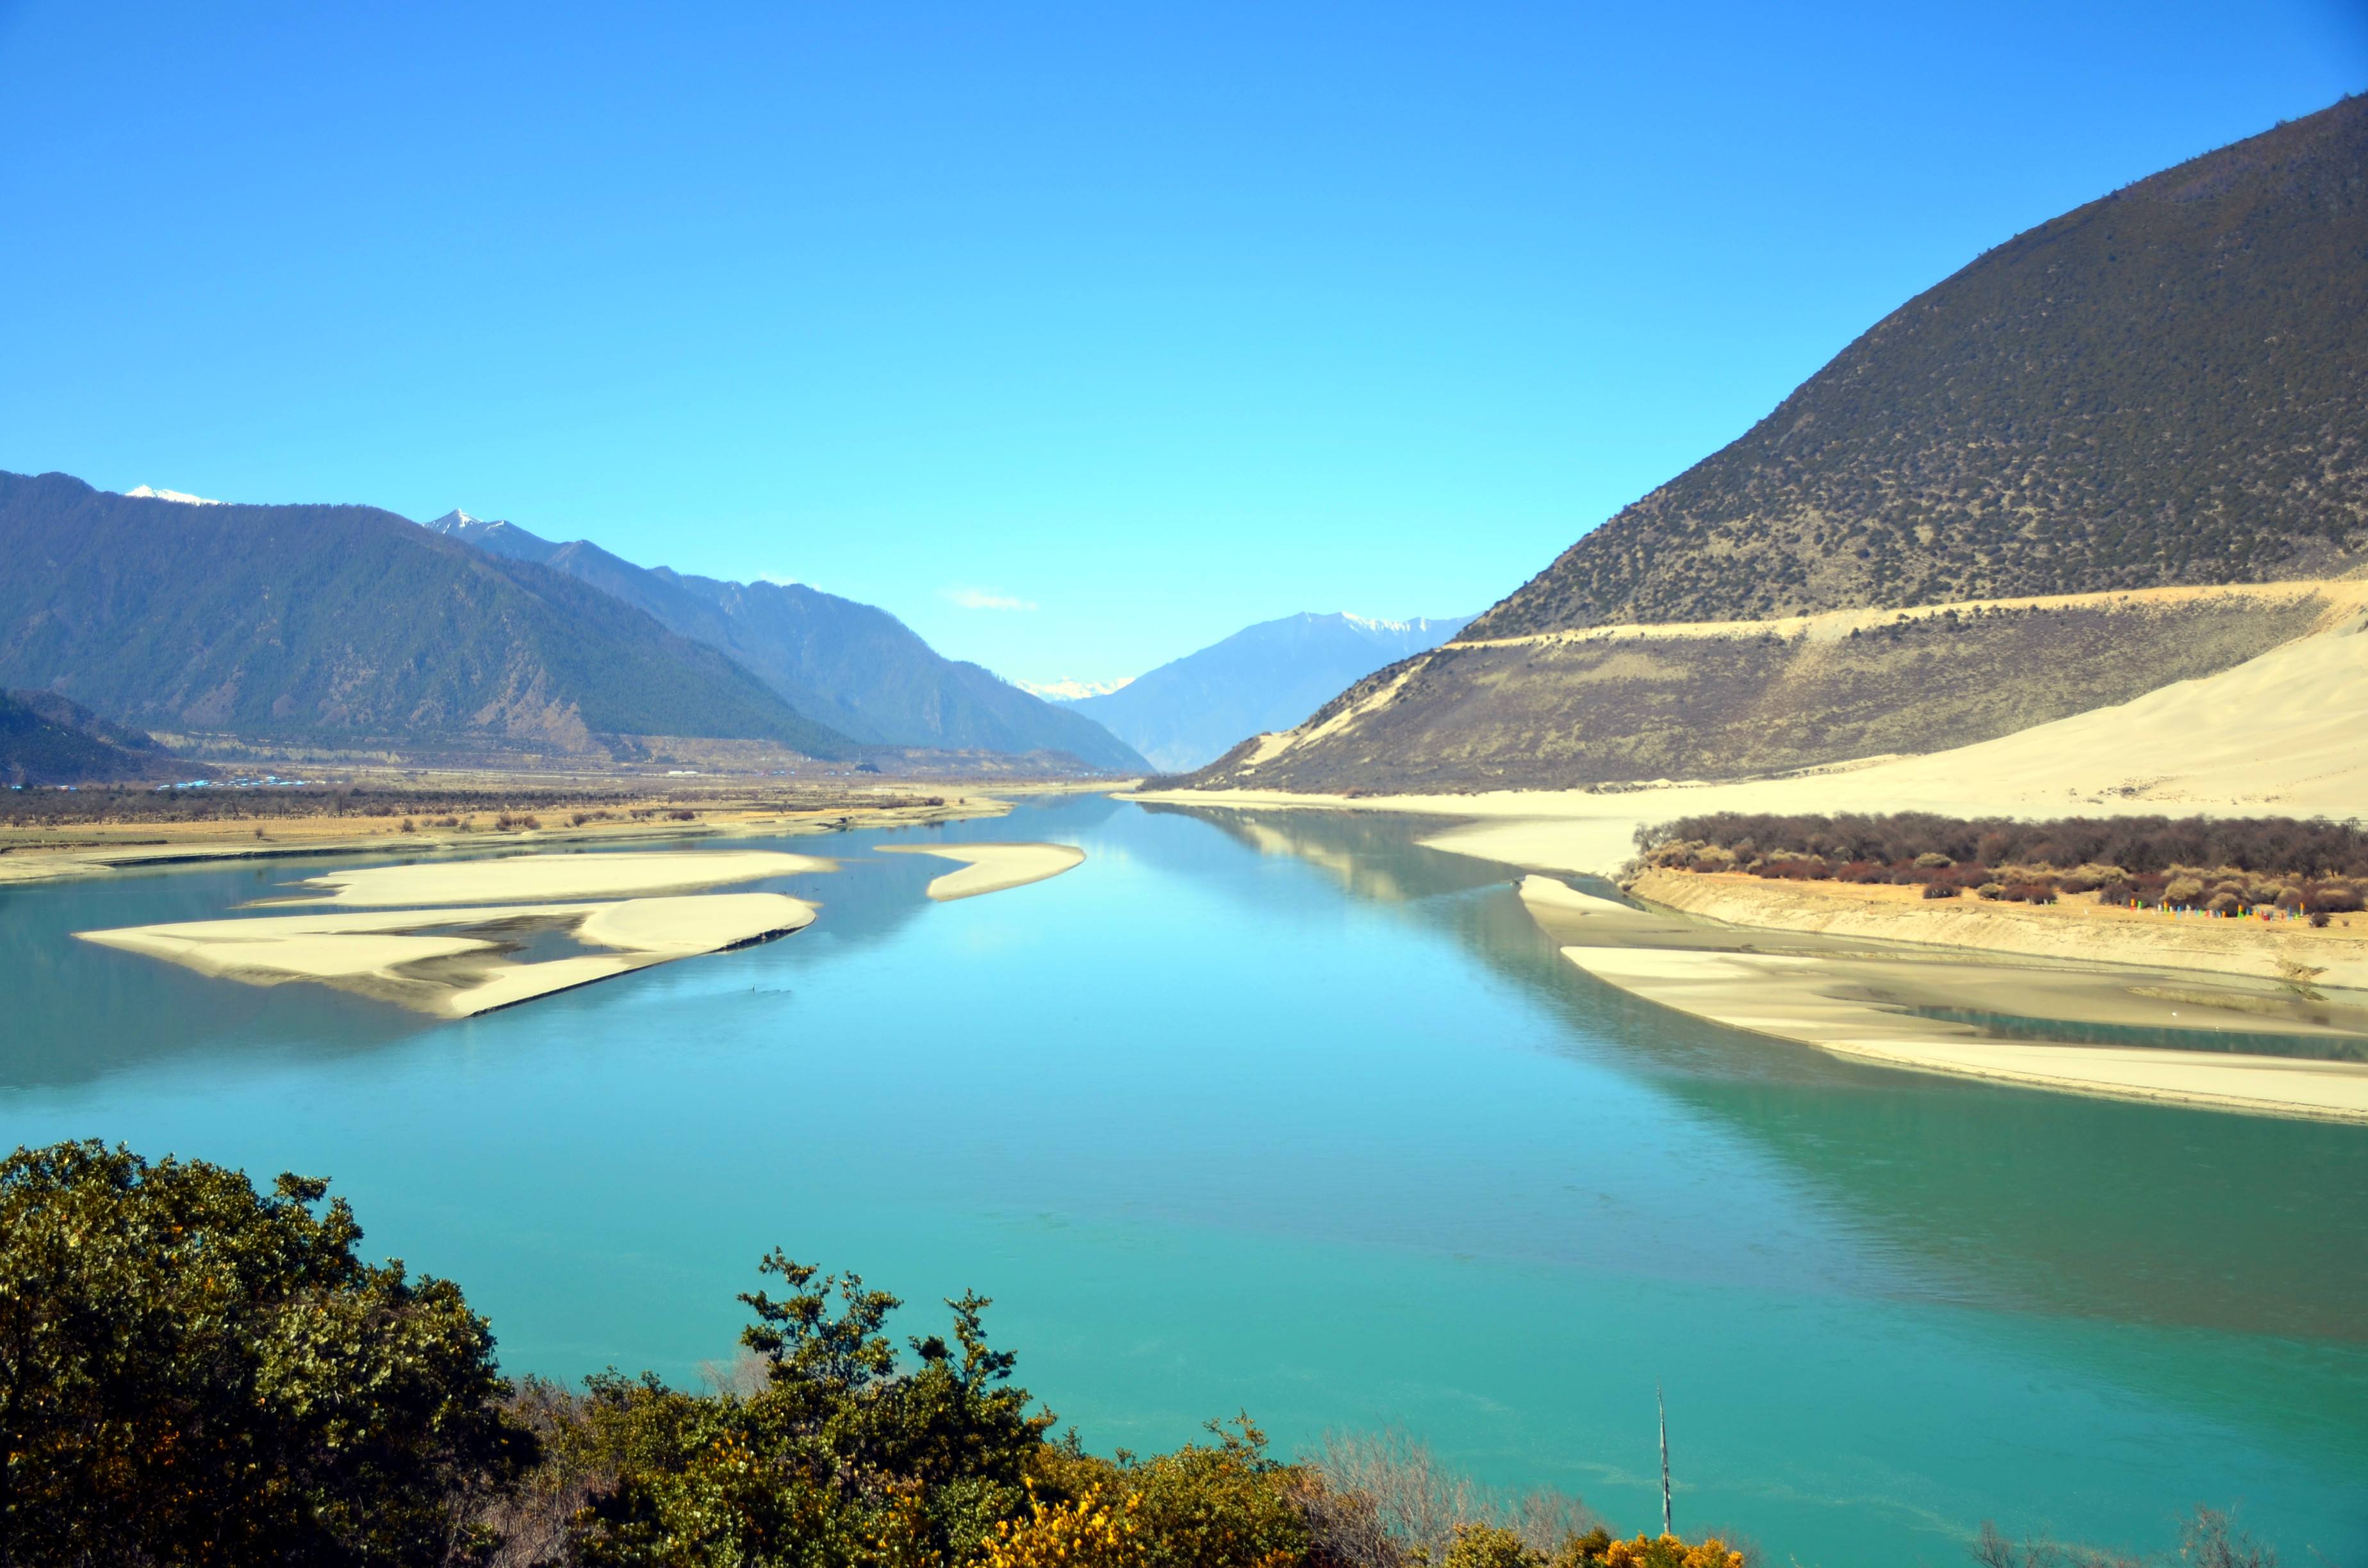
(347, 627)
(850, 667)
(2164, 390)
(1268, 676)
(45, 739)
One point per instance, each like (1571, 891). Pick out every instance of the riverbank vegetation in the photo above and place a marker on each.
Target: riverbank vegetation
(192, 1372)
(2228, 866)
(269, 804)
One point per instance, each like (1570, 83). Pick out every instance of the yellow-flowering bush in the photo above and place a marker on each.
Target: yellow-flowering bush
(1491, 1546)
(1668, 1551)
(1089, 1531)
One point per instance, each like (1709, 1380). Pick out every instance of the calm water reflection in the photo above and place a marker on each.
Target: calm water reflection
(1287, 1112)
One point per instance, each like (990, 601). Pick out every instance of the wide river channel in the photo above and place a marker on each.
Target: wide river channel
(1288, 1114)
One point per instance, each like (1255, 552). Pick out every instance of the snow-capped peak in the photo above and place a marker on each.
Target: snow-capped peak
(146, 493)
(1072, 690)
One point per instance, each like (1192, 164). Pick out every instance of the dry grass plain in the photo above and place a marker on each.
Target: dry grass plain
(46, 835)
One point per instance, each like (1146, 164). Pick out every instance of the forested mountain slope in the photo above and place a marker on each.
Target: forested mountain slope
(345, 627)
(2166, 386)
(45, 739)
(852, 666)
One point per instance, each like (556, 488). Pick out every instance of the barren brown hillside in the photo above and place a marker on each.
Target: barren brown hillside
(1621, 705)
(2169, 385)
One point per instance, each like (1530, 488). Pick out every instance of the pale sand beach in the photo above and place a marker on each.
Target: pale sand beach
(464, 971)
(2281, 734)
(1801, 999)
(1942, 1010)
(991, 867)
(2076, 927)
(524, 877)
(115, 847)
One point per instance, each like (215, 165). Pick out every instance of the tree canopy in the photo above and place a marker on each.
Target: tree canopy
(194, 1372)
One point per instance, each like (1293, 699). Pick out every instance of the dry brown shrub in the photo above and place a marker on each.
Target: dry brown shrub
(1384, 1496)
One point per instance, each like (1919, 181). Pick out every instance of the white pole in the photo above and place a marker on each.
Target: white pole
(1660, 1405)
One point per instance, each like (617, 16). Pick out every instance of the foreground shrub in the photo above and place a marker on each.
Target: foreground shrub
(1668, 1552)
(2210, 1538)
(1089, 1531)
(1382, 1500)
(193, 1373)
(843, 1457)
(1224, 1504)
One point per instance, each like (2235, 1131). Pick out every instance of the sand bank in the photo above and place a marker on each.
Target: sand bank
(2055, 1023)
(991, 867)
(2277, 735)
(141, 843)
(1805, 999)
(2073, 928)
(526, 878)
(1543, 894)
(459, 962)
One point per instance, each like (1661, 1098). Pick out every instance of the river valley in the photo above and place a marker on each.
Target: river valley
(1287, 1113)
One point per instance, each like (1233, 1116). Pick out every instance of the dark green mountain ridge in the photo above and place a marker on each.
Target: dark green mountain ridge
(345, 627)
(2166, 386)
(46, 739)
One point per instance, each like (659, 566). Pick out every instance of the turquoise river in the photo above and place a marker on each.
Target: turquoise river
(1288, 1114)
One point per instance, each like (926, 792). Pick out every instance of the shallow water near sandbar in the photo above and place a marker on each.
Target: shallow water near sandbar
(1286, 1113)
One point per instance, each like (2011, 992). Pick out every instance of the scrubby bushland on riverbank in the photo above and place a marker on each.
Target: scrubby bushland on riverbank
(2210, 1538)
(136, 806)
(2226, 864)
(192, 1373)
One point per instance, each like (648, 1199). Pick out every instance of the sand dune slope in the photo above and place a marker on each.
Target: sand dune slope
(2284, 733)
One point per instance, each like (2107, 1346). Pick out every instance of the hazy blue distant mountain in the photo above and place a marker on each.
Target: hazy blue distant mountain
(852, 666)
(345, 627)
(1185, 714)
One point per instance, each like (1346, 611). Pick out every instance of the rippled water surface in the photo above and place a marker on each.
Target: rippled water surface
(1286, 1113)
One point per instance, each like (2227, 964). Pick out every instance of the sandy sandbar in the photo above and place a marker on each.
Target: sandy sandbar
(991, 867)
(2077, 927)
(1797, 998)
(1936, 1010)
(530, 878)
(458, 963)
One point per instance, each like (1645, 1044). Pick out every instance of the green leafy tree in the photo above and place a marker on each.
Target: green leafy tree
(849, 1455)
(1221, 1505)
(1491, 1546)
(193, 1373)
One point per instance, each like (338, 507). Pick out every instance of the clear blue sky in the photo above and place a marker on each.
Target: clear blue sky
(1160, 319)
